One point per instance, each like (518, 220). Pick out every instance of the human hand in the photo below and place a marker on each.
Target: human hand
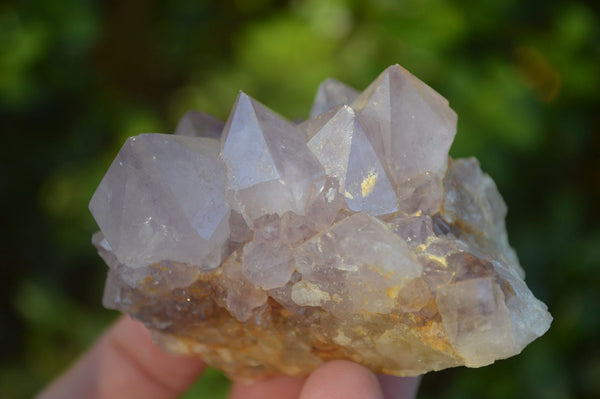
(125, 363)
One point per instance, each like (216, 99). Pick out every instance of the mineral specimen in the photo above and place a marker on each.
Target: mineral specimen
(269, 247)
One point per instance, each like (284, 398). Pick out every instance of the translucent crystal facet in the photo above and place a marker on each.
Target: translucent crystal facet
(270, 168)
(351, 235)
(342, 147)
(331, 93)
(339, 261)
(147, 209)
(410, 125)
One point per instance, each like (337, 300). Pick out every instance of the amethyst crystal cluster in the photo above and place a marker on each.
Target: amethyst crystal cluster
(269, 247)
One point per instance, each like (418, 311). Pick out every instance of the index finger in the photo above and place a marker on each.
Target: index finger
(125, 363)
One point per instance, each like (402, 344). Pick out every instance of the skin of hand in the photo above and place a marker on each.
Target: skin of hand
(125, 363)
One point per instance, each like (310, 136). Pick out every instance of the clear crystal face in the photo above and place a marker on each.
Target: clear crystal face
(149, 210)
(268, 247)
(269, 166)
(342, 147)
(410, 125)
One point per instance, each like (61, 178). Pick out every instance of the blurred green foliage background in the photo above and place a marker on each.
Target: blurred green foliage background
(79, 76)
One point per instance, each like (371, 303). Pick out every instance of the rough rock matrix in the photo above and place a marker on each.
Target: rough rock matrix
(269, 247)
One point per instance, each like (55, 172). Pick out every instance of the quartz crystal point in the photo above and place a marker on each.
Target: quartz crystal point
(147, 209)
(411, 127)
(199, 124)
(410, 124)
(269, 166)
(330, 94)
(352, 235)
(342, 147)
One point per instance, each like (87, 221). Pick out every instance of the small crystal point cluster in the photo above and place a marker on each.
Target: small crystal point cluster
(269, 247)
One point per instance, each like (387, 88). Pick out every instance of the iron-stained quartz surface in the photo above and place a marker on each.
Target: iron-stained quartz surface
(269, 247)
